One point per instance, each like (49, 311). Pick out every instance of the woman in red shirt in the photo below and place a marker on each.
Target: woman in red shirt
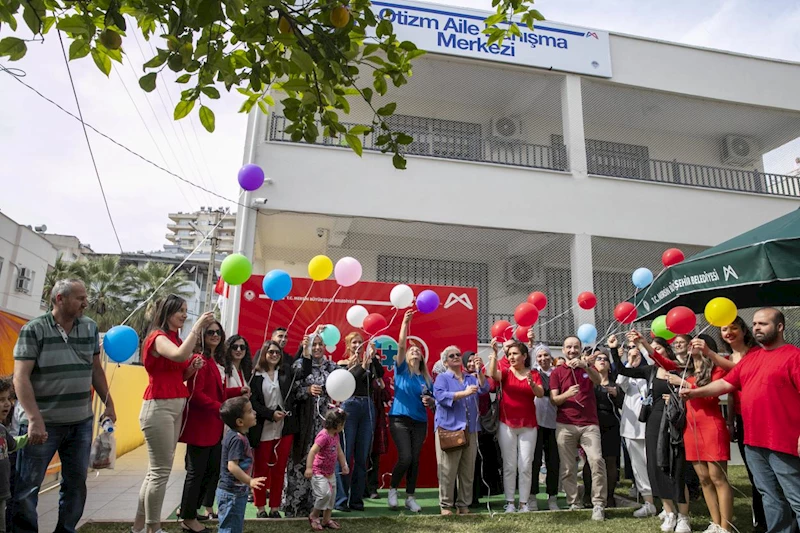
(203, 428)
(167, 362)
(517, 431)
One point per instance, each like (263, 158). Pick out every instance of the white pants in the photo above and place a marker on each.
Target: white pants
(517, 446)
(636, 451)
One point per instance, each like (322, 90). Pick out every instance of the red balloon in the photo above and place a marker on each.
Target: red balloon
(374, 323)
(672, 256)
(625, 312)
(501, 330)
(587, 300)
(526, 314)
(681, 320)
(538, 300)
(521, 333)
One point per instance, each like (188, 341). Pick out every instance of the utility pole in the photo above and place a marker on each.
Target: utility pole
(212, 259)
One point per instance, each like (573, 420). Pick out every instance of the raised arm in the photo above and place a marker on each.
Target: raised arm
(402, 340)
(494, 373)
(723, 362)
(169, 350)
(667, 364)
(715, 388)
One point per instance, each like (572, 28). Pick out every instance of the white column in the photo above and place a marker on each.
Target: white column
(572, 119)
(582, 275)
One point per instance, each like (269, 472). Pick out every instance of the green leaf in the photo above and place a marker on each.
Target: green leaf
(76, 25)
(207, 118)
(414, 54)
(367, 92)
(14, 48)
(183, 108)
(48, 23)
(388, 109)
(408, 46)
(79, 48)
(148, 82)
(380, 84)
(183, 78)
(303, 60)
(102, 61)
(33, 18)
(354, 143)
(537, 15)
(208, 12)
(404, 138)
(7, 15)
(370, 49)
(211, 92)
(360, 129)
(295, 85)
(495, 19)
(158, 60)
(399, 162)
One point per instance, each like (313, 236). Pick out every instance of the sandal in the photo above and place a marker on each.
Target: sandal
(315, 524)
(332, 524)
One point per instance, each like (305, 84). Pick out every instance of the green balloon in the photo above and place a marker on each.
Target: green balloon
(236, 269)
(659, 328)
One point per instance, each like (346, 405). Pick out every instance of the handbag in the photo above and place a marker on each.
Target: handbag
(490, 422)
(452, 440)
(647, 401)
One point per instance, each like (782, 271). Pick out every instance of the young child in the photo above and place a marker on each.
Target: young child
(320, 468)
(8, 445)
(236, 466)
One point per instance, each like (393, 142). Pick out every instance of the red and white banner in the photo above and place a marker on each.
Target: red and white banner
(453, 323)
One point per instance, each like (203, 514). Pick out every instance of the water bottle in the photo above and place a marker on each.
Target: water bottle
(107, 425)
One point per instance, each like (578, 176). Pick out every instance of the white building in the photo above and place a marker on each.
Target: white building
(69, 247)
(25, 257)
(188, 229)
(562, 168)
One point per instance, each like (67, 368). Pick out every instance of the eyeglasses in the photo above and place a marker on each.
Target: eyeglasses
(601, 359)
(454, 356)
(238, 347)
(273, 352)
(631, 346)
(213, 332)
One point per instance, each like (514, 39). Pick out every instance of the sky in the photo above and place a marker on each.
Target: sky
(48, 177)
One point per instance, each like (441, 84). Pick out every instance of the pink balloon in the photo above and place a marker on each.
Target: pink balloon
(347, 271)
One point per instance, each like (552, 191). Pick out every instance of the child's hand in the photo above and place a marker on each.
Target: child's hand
(309, 473)
(346, 469)
(257, 482)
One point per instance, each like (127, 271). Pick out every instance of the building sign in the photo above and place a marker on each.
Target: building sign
(457, 31)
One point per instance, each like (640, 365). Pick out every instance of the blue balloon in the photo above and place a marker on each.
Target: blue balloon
(642, 277)
(277, 284)
(587, 333)
(120, 343)
(330, 335)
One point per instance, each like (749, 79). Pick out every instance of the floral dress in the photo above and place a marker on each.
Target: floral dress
(298, 499)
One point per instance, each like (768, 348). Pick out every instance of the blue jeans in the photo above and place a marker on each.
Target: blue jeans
(777, 478)
(230, 508)
(73, 443)
(358, 431)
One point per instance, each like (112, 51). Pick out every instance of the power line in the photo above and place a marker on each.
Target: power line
(88, 143)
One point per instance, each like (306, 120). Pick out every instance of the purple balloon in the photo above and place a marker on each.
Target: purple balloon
(251, 177)
(427, 302)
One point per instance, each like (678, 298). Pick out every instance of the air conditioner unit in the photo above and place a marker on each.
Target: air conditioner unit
(739, 151)
(24, 280)
(522, 272)
(506, 129)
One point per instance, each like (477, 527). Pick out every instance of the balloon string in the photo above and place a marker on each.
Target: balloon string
(298, 307)
(557, 316)
(396, 310)
(311, 325)
(263, 342)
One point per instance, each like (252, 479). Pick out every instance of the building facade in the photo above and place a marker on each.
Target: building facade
(523, 178)
(187, 230)
(69, 247)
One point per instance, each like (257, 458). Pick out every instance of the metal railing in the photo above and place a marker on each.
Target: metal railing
(459, 147)
(675, 172)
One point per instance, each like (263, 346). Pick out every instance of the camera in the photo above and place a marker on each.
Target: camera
(320, 232)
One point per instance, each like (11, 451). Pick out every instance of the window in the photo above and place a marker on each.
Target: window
(616, 159)
(25, 280)
(440, 138)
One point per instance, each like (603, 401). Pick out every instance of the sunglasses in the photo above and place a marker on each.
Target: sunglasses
(214, 332)
(454, 356)
(273, 352)
(601, 359)
(238, 347)
(631, 346)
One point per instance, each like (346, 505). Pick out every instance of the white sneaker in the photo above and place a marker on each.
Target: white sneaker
(684, 525)
(712, 528)
(524, 508)
(552, 503)
(576, 507)
(510, 508)
(669, 523)
(393, 499)
(646, 510)
(662, 515)
(412, 505)
(598, 514)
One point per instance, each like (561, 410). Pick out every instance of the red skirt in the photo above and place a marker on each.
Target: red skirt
(706, 436)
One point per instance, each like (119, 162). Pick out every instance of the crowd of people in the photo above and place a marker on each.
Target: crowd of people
(259, 425)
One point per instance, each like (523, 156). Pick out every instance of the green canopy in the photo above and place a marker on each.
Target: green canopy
(758, 268)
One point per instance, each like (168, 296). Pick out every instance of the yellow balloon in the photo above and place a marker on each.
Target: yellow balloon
(320, 267)
(720, 312)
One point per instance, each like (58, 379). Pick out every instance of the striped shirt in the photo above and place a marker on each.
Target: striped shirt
(62, 375)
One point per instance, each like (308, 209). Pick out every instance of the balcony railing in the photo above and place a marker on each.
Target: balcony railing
(675, 172)
(461, 147)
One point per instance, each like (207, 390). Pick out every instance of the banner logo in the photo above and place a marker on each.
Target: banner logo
(454, 299)
(729, 272)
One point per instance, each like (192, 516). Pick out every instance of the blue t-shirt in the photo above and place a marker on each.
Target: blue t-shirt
(235, 447)
(408, 390)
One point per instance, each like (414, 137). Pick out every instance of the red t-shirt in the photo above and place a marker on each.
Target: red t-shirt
(165, 376)
(581, 409)
(769, 381)
(517, 409)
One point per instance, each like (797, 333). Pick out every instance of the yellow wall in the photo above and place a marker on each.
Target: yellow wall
(127, 387)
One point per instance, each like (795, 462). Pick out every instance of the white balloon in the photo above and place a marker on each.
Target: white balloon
(330, 349)
(356, 315)
(401, 296)
(340, 385)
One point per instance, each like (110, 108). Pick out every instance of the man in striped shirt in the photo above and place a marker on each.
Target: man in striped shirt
(56, 364)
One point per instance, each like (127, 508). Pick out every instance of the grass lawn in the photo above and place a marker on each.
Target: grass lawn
(378, 519)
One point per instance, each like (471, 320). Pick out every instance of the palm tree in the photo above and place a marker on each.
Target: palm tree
(146, 281)
(60, 270)
(106, 285)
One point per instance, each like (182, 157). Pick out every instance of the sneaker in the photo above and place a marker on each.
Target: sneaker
(634, 492)
(412, 505)
(510, 508)
(552, 503)
(598, 514)
(523, 508)
(662, 515)
(713, 528)
(274, 514)
(576, 507)
(262, 514)
(393, 499)
(645, 511)
(374, 496)
(670, 520)
(684, 525)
